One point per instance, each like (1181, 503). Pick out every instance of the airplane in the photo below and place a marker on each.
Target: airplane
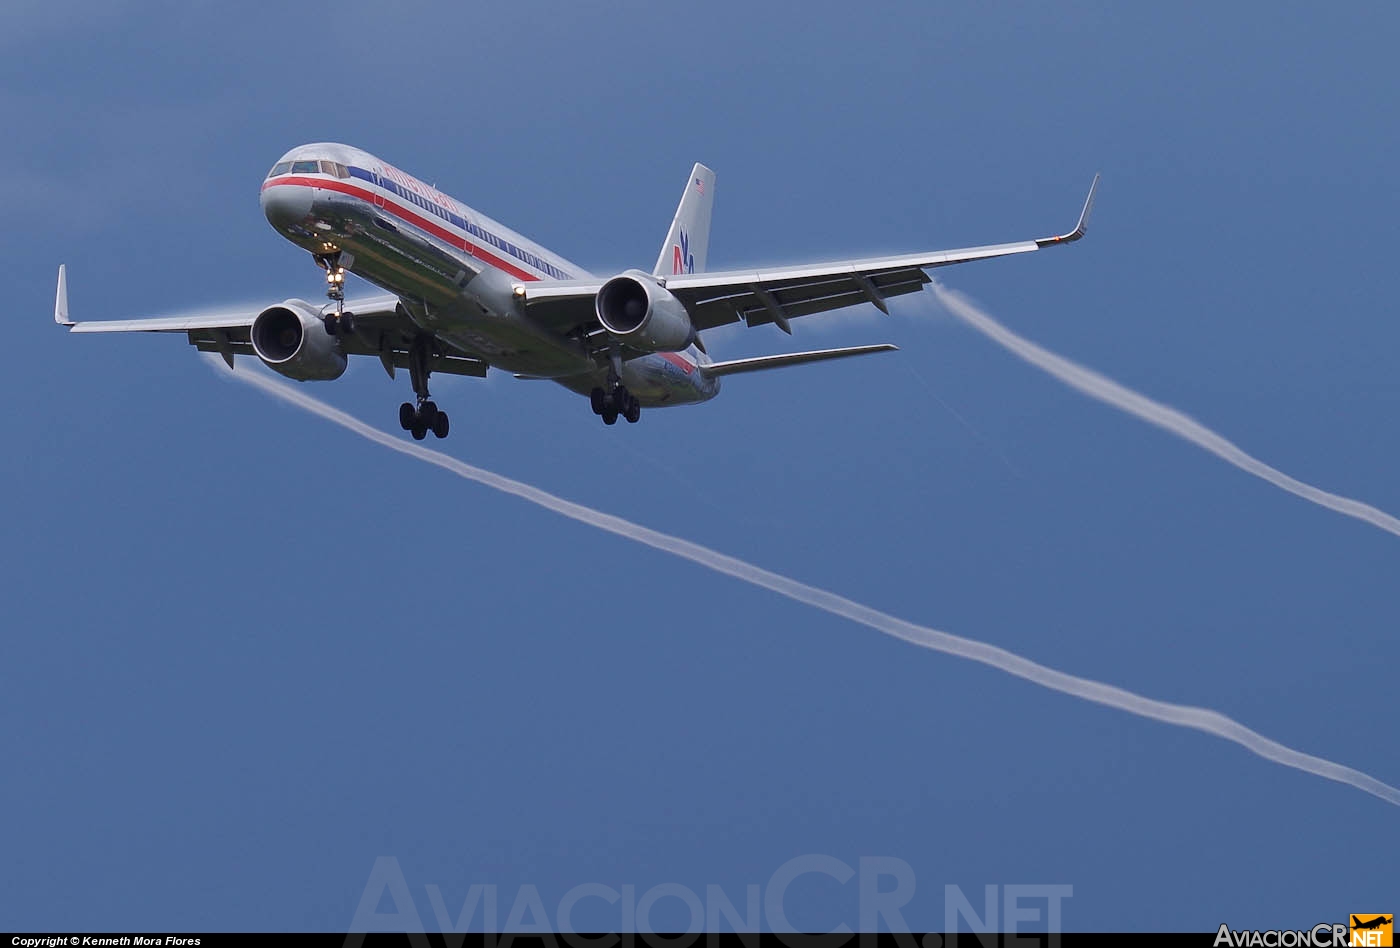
(1379, 921)
(465, 294)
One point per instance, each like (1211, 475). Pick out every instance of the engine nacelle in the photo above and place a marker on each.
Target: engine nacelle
(291, 339)
(639, 312)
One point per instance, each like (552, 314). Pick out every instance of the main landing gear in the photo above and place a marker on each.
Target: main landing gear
(615, 400)
(339, 323)
(418, 419)
(425, 417)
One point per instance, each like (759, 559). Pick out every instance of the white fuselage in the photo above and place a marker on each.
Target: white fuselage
(455, 270)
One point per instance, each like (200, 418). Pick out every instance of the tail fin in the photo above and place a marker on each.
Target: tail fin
(689, 237)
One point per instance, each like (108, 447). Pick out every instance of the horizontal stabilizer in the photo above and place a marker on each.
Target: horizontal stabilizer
(736, 366)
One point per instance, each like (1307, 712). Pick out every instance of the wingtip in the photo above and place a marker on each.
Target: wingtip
(1083, 223)
(60, 304)
(1088, 205)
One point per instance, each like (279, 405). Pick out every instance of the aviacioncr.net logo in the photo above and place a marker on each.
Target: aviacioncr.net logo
(1365, 931)
(1372, 931)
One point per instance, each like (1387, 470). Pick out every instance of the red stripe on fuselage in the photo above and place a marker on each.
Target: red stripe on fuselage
(677, 361)
(403, 213)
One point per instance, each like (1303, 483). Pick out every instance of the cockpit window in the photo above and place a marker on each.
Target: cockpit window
(282, 167)
(304, 167)
(335, 168)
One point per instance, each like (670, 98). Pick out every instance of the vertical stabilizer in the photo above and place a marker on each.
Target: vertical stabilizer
(689, 237)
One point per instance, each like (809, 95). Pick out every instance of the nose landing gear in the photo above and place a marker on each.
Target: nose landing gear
(418, 419)
(340, 322)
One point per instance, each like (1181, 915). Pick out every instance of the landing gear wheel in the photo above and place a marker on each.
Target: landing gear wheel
(347, 324)
(633, 414)
(332, 323)
(418, 418)
(609, 416)
(597, 398)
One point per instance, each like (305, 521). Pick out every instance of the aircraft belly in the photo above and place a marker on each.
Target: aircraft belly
(422, 268)
(392, 253)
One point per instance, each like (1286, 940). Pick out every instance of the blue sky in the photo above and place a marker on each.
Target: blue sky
(247, 653)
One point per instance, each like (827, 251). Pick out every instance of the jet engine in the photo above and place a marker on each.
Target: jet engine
(640, 313)
(291, 339)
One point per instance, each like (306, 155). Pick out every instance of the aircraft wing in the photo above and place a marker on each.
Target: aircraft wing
(381, 329)
(778, 295)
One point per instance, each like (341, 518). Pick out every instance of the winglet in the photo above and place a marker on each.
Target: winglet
(60, 303)
(1078, 228)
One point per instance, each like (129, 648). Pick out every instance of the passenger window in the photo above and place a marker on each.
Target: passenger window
(282, 167)
(304, 167)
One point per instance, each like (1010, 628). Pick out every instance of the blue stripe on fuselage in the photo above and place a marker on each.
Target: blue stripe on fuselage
(437, 210)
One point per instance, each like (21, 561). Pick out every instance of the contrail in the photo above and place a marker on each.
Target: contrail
(1201, 719)
(1110, 392)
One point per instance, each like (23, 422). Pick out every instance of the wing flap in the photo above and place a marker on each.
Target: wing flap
(226, 350)
(805, 299)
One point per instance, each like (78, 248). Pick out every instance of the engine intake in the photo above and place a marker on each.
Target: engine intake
(292, 340)
(637, 311)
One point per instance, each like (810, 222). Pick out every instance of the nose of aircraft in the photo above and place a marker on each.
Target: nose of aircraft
(286, 204)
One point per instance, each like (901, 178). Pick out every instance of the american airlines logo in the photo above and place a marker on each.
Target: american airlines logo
(682, 261)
